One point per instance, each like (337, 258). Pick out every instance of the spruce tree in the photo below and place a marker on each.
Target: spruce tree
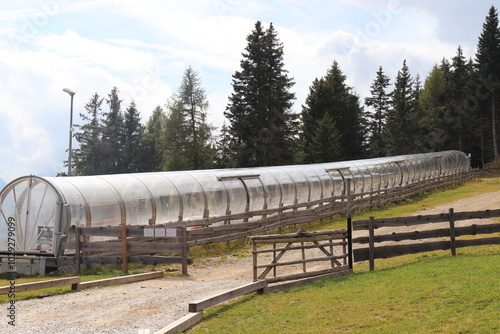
(133, 132)
(112, 134)
(189, 135)
(379, 101)
(460, 116)
(402, 118)
(325, 141)
(261, 123)
(433, 103)
(488, 66)
(331, 95)
(89, 157)
(153, 143)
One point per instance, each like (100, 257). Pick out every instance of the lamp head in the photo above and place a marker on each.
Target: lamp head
(69, 91)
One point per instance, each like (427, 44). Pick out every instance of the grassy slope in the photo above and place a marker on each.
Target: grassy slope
(429, 296)
(423, 293)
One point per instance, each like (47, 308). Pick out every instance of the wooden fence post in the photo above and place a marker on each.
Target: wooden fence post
(452, 232)
(349, 241)
(185, 251)
(371, 241)
(77, 249)
(124, 248)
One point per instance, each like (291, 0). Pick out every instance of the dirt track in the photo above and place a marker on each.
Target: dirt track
(135, 307)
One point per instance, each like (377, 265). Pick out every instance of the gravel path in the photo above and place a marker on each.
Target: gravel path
(151, 305)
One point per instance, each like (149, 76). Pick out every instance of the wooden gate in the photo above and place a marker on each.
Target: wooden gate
(325, 252)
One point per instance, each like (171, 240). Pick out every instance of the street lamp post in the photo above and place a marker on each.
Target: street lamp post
(71, 93)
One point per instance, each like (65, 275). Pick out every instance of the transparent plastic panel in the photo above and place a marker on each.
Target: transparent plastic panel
(192, 195)
(325, 179)
(315, 184)
(237, 196)
(29, 211)
(165, 195)
(77, 204)
(374, 174)
(256, 194)
(230, 179)
(301, 182)
(102, 200)
(273, 189)
(406, 168)
(136, 197)
(287, 185)
(215, 191)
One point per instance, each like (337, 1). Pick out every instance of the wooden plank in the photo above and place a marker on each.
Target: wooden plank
(401, 221)
(301, 261)
(303, 281)
(182, 324)
(478, 242)
(326, 233)
(119, 280)
(437, 233)
(318, 245)
(292, 277)
(139, 259)
(424, 219)
(225, 296)
(41, 285)
(392, 251)
(133, 246)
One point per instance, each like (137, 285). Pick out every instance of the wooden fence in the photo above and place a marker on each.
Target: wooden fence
(220, 229)
(132, 244)
(138, 244)
(322, 248)
(372, 251)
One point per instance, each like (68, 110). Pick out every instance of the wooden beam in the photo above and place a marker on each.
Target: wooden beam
(41, 285)
(300, 282)
(225, 296)
(182, 324)
(118, 280)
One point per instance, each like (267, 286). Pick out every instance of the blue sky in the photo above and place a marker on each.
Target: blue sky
(143, 48)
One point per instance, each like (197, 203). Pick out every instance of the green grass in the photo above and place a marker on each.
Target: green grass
(441, 294)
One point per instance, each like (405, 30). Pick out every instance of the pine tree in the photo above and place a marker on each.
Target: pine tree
(402, 117)
(89, 158)
(112, 134)
(261, 123)
(331, 95)
(433, 103)
(189, 134)
(325, 141)
(133, 132)
(379, 101)
(152, 147)
(459, 115)
(488, 66)
(223, 149)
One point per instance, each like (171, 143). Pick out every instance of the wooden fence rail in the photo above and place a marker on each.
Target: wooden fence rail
(373, 251)
(135, 244)
(261, 221)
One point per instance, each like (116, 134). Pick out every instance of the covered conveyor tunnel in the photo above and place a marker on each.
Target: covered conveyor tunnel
(34, 211)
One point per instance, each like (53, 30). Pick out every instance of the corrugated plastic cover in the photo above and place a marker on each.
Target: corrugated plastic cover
(42, 207)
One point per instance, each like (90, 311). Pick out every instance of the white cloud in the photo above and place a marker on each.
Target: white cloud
(152, 43)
